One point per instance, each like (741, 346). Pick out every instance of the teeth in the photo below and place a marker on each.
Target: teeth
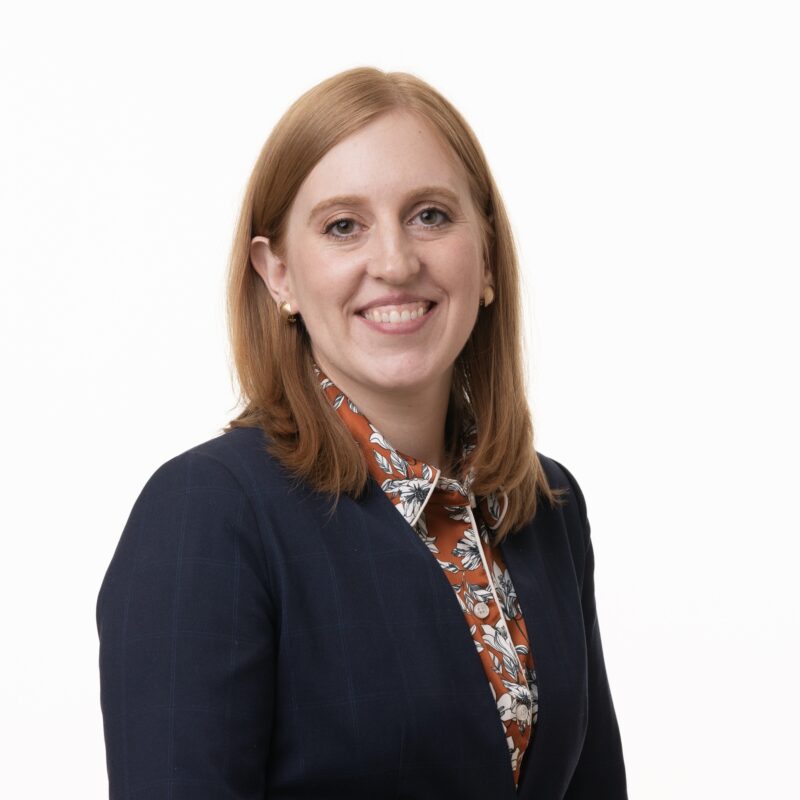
(395, 314)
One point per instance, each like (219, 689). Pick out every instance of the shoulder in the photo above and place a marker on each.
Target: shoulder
(228, 483)
(574, 503)
(235, 461)
(193, 531)
(231, 480)
(200, 502)
(559, 477)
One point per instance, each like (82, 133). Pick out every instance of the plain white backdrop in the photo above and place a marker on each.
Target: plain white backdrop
(648, 156)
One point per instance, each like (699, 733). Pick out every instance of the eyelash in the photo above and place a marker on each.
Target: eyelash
(346, 236)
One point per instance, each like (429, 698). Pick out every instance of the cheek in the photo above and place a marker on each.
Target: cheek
(465, 268)
(326, 288)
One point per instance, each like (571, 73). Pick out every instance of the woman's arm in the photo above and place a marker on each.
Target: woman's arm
(600, 772)
(186, 632)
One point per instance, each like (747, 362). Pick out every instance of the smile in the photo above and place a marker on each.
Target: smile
(396, 314)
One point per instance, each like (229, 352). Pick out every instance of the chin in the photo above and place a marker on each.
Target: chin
(409, 373)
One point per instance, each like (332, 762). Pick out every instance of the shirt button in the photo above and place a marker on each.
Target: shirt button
(522, 713)
(481, 610)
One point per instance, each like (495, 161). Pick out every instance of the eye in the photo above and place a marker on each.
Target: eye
(341, 227)
(430, 214)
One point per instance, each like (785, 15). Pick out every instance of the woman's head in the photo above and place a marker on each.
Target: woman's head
(383, 227)
(378, 136)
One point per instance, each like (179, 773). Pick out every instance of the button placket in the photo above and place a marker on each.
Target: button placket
(502, 618)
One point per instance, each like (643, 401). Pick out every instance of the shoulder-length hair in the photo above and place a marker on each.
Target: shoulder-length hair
(273, 359)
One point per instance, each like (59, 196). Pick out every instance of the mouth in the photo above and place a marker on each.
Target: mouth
(396, 314)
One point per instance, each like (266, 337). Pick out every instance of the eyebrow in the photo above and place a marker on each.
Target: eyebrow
(355, 199)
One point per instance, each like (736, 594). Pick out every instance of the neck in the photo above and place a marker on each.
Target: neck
(412, 420)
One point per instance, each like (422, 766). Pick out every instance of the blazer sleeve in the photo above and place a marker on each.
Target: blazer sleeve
(600, 771)
(186, 628)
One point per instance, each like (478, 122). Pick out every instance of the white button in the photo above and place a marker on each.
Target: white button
(522, 713)
(481, 610)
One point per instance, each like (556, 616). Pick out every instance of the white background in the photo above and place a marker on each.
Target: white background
(648, 156)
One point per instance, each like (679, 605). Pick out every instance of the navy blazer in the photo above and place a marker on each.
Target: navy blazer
(255, 645)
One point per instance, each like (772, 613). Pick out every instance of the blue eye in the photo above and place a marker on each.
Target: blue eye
(337, 223)
(437, 211)
(340, 225)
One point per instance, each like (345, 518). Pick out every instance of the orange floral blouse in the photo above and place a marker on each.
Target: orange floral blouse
(454, 525)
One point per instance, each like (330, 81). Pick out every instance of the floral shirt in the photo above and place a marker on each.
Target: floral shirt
(454, 526)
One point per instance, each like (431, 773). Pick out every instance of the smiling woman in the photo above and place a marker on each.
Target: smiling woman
(401, 254)
(371, 584)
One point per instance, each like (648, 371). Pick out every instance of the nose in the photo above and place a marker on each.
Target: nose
(394, 258)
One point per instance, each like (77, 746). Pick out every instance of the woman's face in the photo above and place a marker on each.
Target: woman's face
(383, 259)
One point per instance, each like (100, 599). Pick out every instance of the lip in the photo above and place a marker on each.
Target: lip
(411, 326)
(396, 299)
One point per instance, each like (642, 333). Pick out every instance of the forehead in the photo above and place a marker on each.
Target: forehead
(389, 156)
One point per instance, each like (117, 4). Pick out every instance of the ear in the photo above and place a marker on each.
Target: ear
(272, 270)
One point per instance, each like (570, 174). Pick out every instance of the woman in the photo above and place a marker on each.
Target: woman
(370, 585)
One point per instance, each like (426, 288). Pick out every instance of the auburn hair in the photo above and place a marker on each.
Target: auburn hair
(272, 358)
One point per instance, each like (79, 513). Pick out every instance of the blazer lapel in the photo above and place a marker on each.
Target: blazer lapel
(540, 561)
(462, 666)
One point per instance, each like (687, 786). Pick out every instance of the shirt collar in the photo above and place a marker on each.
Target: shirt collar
(407, 482)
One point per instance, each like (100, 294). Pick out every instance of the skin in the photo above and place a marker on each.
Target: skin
(400, 381)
